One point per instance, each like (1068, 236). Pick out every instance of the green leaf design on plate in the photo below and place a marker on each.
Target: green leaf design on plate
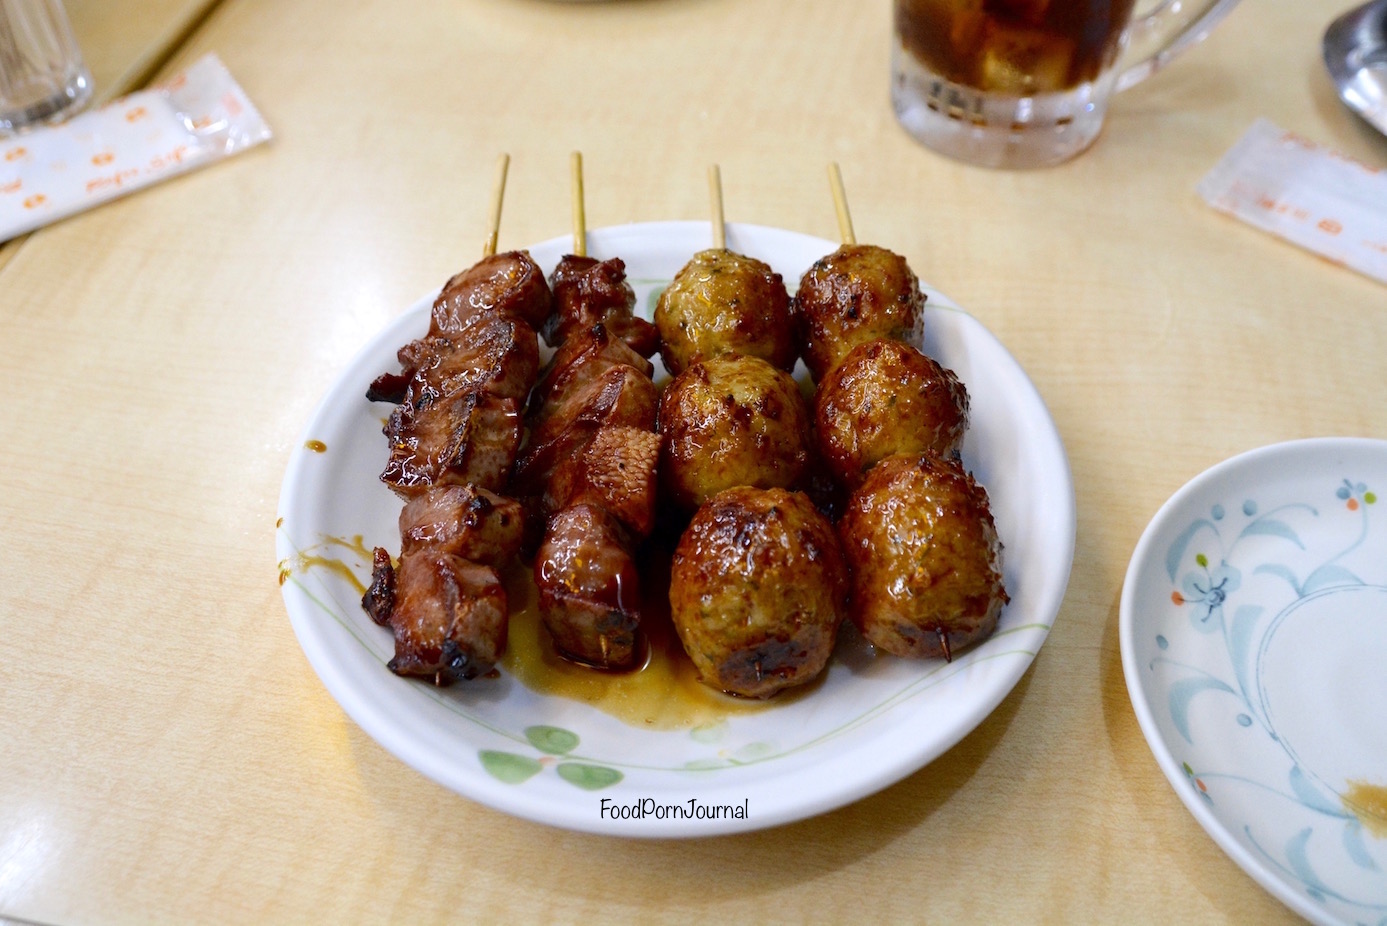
(709, 732)
(508, 767)
(753, 751)
(588, 777)
(554, 740)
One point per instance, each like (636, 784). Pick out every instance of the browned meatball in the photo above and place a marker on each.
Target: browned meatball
(858, 293)
(885, 398)
(724, 302)
(757, 591)
(925, 560)
(731, 421)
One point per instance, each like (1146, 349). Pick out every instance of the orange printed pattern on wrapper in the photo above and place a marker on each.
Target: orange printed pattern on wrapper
(198, 117)
(1305, 193)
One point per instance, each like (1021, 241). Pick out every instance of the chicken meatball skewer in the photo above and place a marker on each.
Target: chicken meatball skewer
(590, 463)
(757, 586)
(453, 439)
(918, 533)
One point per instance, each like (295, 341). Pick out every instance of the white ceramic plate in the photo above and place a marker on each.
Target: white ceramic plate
(1254, 643)
(870, 723)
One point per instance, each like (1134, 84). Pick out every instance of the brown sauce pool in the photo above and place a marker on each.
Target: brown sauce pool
(664, 693)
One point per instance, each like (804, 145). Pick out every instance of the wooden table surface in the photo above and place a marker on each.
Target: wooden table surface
(170, 756)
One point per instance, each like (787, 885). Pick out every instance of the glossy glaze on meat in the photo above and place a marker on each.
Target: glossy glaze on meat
(757, 591)
(723, 302)
(589, 292)
(465, 521)
(620, 397)
(466, 437)
(731, 421)
(615, 471)
(453, 438)
(449, 618)
(858, 293)
(589, 587)
(884, 398)
(508, 285)
(920, 541)
(497, 356)
(588, 467)
(584, 357)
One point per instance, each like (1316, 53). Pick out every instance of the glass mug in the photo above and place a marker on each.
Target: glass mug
(42, 76)
(1026, 83)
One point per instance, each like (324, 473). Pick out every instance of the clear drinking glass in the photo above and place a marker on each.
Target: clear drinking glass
(42, 76)
(1026, 83)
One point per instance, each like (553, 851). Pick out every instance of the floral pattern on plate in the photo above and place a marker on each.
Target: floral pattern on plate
(1254, 641)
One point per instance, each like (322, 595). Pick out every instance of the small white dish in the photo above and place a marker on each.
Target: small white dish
(1253, 632)
(867, 724)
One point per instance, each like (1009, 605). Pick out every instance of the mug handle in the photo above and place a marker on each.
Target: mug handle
(1155, 38)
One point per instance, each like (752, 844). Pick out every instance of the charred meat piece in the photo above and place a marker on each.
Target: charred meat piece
(884, 398)
(449, 617)
(858, 293)
(496, 355)
(616, 471)
(731, 421)
(509, 285)
(589, 588)
(588, 292)
(723, 302)
(757, 591)
(380, 595)
(920, 541)
(583, 358)
(499, 356)
(465, 521)
(620, 397)
(466, 437)
(389, 387)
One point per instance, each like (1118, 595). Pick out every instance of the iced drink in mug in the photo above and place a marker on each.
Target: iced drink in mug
(1025, 83)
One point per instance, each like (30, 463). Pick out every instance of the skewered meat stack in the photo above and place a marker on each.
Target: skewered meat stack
(589, 468)
(757, 584)
(917, 533)
(453, 437)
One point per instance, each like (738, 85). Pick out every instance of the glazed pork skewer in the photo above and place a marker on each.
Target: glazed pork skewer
(591, 460)
(453, 439)
(588, 291)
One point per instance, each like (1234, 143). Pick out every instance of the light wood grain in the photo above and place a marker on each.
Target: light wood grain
(123, 42)
(170, 756)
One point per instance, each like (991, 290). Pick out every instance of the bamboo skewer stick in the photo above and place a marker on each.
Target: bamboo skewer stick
(840, 204)
(580, 231)
(498, 193)
(715, 196)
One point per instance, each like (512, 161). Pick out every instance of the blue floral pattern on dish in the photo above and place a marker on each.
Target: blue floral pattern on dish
(1239, 573)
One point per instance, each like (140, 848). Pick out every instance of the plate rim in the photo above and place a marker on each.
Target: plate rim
(375, 722)
(1137, 692)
